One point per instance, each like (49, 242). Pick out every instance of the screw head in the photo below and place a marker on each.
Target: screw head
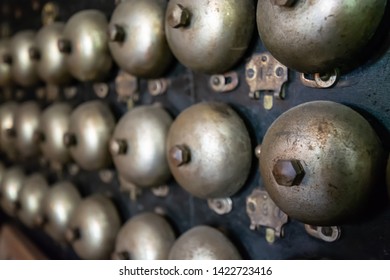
(118, 147)
(179, 17)
(283, 3)
(64, 46)
(179, 155)
(116, 33)
(288, 173)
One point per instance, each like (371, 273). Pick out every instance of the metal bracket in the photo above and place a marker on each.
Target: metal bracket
(126, 86)
(327, 234)
(224, 82)
(321, 81)
(262, 211)
(264, 74)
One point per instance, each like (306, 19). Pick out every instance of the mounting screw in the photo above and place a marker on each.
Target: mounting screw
(180, 155)
(118, 147)
(116, 33)
(65, 46)
(179, 17)
(288, 172)
(284, 3)
(70, 140)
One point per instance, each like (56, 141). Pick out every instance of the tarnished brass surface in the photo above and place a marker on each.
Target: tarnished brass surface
(317, 36)
(23, 67)
(203, 243)
(90, 129)
(26, 124)
(209, 150)
(146, 236)
(209, 36)
(31, 199)
(59, 204)
(138, 43)
(10, 187)
(138, 146)
(94, 227)
(335, 160)
(54, 123)
(85, 42)
(51, 64)
(5, 63)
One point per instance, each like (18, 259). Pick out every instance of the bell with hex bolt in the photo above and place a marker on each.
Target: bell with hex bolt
(209, 150)
(5, 63)
(51, 65)
(90, 129)
(319, 162)
(59, 204)
(23, 66)
(203, 243)
(209, 35)
(85, 43)
(7, 128)
(317, 36)
(31, 199)
(146, 236)
(138, 43)
(11, 185)
(138, 146)
(93, 228)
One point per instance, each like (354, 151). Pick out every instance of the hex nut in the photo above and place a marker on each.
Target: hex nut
(288, 173)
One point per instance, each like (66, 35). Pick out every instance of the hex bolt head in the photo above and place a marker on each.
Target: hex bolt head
(283, 3)
(116, 33)
(70, 140)
(179, 17)
(34, 53)
(179, 155)
(118, 147)
(288, 173)
(39, 137)
(65, 46)
(7, 59)
(71, 235)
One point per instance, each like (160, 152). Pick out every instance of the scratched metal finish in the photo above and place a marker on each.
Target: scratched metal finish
(365, 89)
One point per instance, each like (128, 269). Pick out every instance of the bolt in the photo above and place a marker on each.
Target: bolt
(7, 59)
(288, 172)
(179, 17)
(40, 221)
(34, 53)
(116, 33)
(180, 155)
(65, 46)
(118, 147)
(39, 137)
(70, 140)
(72, 235)
(284, 3)
(258, 151)
(10, 132)
(251, 206)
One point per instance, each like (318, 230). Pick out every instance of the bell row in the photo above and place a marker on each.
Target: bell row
(143, 37)
(92, 225)
(311, 158)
